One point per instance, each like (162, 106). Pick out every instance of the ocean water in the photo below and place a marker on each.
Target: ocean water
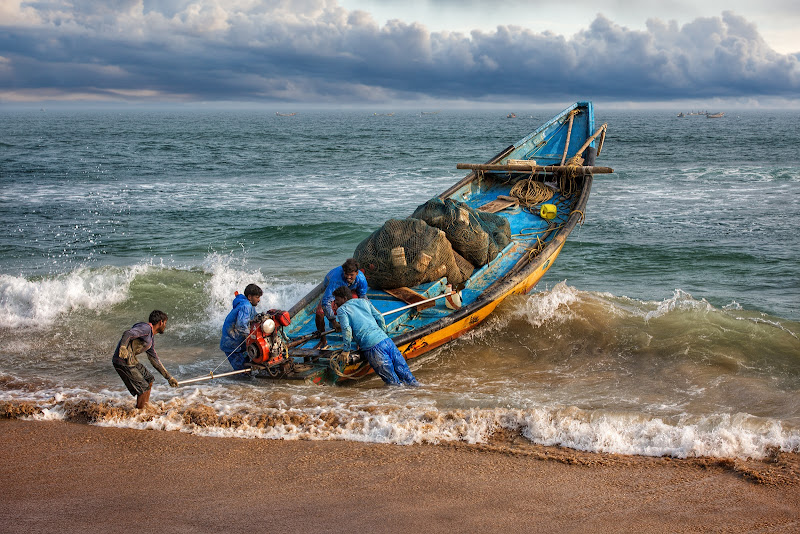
(669, 325)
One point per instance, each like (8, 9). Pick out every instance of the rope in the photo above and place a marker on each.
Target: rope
(334, 366)
(525, 234)
(583, 216)
(530, 192)
(228, 355)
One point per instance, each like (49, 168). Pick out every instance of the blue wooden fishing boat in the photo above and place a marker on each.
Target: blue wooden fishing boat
(540, 185)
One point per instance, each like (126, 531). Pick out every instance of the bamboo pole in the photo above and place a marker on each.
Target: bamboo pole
(569, 133)
(211, 376)
(415, 304)
(592, 138)
(600, 143)
(530, 168)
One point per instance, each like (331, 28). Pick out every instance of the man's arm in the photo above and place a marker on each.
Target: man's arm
(347, 331)
(327, 301)
(242, 323)
(361, 285)
(156, 363)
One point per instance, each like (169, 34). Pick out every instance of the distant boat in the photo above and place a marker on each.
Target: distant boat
(511, 116)
(285, 114)
(714, 115)
(681, 114)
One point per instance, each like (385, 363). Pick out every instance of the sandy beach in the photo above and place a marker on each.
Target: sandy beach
(69, 477)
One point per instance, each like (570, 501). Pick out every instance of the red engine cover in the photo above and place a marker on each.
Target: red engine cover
(260, 352)
(281, 317)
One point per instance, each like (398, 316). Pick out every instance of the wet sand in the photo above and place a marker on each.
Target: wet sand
(70, 477)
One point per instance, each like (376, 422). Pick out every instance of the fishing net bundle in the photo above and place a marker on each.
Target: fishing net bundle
(477, 236)
(409, 252)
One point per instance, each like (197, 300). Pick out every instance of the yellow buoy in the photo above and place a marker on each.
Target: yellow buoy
(548, 211)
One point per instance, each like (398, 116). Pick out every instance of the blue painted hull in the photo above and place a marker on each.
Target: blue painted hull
(535, 244)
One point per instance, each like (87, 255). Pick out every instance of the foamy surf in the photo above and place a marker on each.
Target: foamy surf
(585, 370)
(406, 422)
(38, 302)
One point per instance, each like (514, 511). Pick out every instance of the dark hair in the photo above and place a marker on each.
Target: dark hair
(350, 266)
(252, 290)
(343, 292)
(156, 316)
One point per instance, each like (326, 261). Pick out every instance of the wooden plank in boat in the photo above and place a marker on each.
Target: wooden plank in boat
(409, 296)
(499, 204)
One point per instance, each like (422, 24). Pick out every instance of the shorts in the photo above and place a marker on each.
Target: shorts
(136, 377)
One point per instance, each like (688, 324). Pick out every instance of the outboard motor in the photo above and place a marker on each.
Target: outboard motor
(266, 345)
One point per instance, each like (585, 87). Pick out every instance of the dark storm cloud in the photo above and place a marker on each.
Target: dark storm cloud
(315, 50)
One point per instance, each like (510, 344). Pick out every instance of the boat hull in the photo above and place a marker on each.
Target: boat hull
(514, 271)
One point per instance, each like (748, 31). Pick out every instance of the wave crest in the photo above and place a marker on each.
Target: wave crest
(39, 302)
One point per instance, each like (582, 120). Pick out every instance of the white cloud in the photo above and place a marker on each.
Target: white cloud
(317, 50)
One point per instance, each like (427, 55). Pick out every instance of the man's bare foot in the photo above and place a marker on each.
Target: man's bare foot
(322, 343)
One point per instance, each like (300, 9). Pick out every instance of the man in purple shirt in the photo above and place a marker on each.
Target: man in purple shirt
(134, 341)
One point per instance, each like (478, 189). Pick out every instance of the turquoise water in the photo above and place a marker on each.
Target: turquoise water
(668, 325)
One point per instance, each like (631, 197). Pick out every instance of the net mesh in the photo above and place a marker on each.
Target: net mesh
(409, 252)
(477, 236)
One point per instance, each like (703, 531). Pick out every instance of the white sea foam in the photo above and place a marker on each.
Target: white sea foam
(549, 306)
(381, 419)
(38, 302)
(680, 300)
(227, 277)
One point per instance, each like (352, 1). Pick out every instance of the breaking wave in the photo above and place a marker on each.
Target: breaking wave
(40, 301)
(297, 417)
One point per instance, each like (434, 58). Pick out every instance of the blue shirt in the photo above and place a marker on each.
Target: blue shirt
(237, 325)
(334, 279)
(361, 321)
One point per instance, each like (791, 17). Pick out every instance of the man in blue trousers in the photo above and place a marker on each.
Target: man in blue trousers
(360, 320)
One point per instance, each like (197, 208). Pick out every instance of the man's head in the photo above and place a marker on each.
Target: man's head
(253, 294)
(341, 295)
(159, 321)
(350, 270)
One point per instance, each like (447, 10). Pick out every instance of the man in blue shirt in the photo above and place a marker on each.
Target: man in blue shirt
(360, 320)
(136, 340)
(236, 327)
(347, 275)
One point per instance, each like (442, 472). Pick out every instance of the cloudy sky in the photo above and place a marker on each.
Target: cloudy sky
(400, 52)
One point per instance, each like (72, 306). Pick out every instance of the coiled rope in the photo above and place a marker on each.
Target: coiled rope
(335, 362)
(530, 192)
